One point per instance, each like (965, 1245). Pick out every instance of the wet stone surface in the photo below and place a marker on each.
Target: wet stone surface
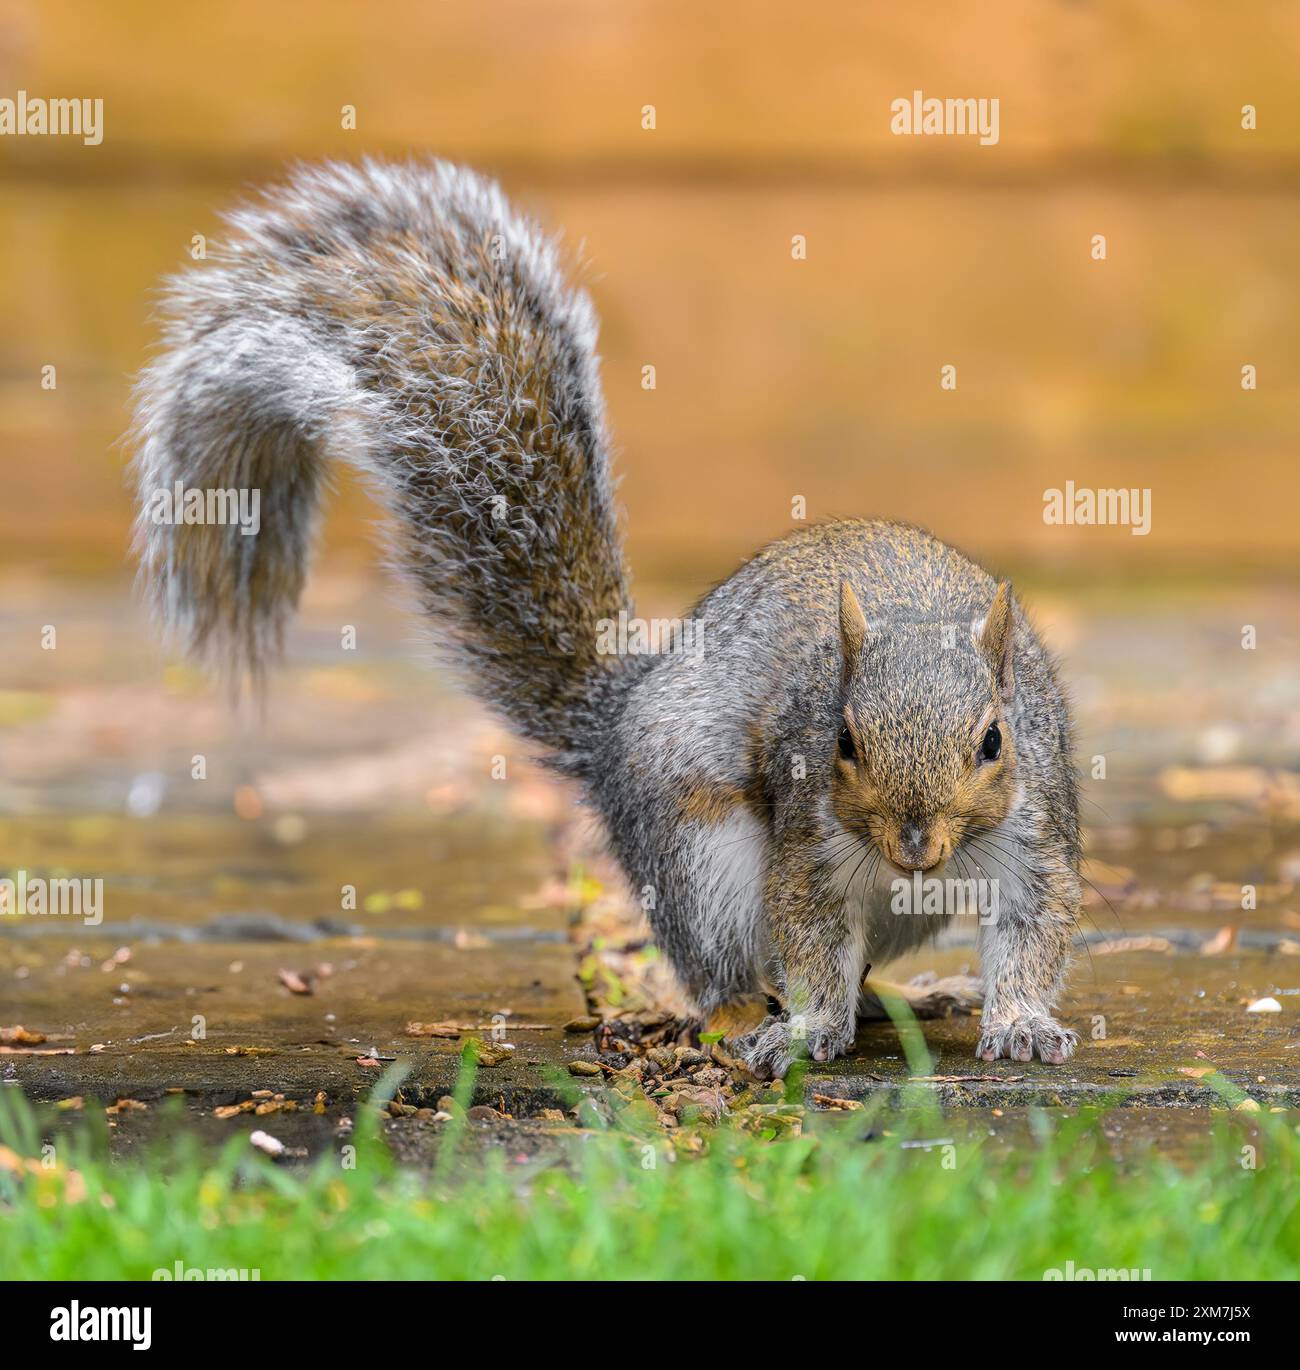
(1152, 1026)
(359, 843)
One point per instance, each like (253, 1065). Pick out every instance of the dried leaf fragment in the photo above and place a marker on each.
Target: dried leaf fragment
(416, 1029)
(489, 1053)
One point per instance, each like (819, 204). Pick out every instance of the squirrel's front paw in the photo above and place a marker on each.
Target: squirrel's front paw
(1024, 1038)
(773, 1047)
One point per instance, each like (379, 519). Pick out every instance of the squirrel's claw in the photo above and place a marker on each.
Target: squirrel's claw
(1024, 1038)
(773, 1047)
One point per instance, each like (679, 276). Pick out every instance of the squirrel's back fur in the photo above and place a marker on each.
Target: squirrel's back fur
(404, 319)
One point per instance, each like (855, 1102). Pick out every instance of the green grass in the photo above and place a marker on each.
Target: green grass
(825, 1207)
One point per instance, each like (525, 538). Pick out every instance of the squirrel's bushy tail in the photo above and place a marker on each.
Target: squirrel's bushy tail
(406, 320)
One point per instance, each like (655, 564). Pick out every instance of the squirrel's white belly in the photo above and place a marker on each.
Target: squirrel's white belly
(727, 862)
(889, 927)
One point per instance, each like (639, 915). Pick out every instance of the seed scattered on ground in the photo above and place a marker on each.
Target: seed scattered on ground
(1223, 941)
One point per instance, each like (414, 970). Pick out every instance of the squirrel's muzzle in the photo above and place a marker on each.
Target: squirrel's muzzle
(917, 846)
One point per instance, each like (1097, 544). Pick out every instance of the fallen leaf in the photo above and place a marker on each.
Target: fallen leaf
(834, 1101)
(432, 1030)
(126, 1106)
(1197, 1072)
(488, 1053)
(1121, 944)
(1275, 790)
(74, 1184)
(20, 1037)
(418, 1029)
(250, 1051)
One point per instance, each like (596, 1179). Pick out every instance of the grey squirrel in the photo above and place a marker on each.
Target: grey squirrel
(865, 705)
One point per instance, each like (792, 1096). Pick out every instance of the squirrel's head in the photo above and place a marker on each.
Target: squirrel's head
(924, 754)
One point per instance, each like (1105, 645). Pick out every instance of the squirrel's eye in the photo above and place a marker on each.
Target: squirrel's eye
(991, 747)
(847, 750)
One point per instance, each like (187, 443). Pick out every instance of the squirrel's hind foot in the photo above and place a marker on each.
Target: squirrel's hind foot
(1024, 1038)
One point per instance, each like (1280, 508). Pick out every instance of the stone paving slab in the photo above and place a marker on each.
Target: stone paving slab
(1151, 1025)
(1145, 1019)
(290, 1043)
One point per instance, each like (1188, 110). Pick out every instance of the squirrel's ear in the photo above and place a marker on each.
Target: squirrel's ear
(996, 638)
(853, 627)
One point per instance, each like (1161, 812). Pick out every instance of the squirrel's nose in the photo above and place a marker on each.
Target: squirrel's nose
(918, 847)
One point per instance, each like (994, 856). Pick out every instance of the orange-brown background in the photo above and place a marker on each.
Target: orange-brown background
(776, 377)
